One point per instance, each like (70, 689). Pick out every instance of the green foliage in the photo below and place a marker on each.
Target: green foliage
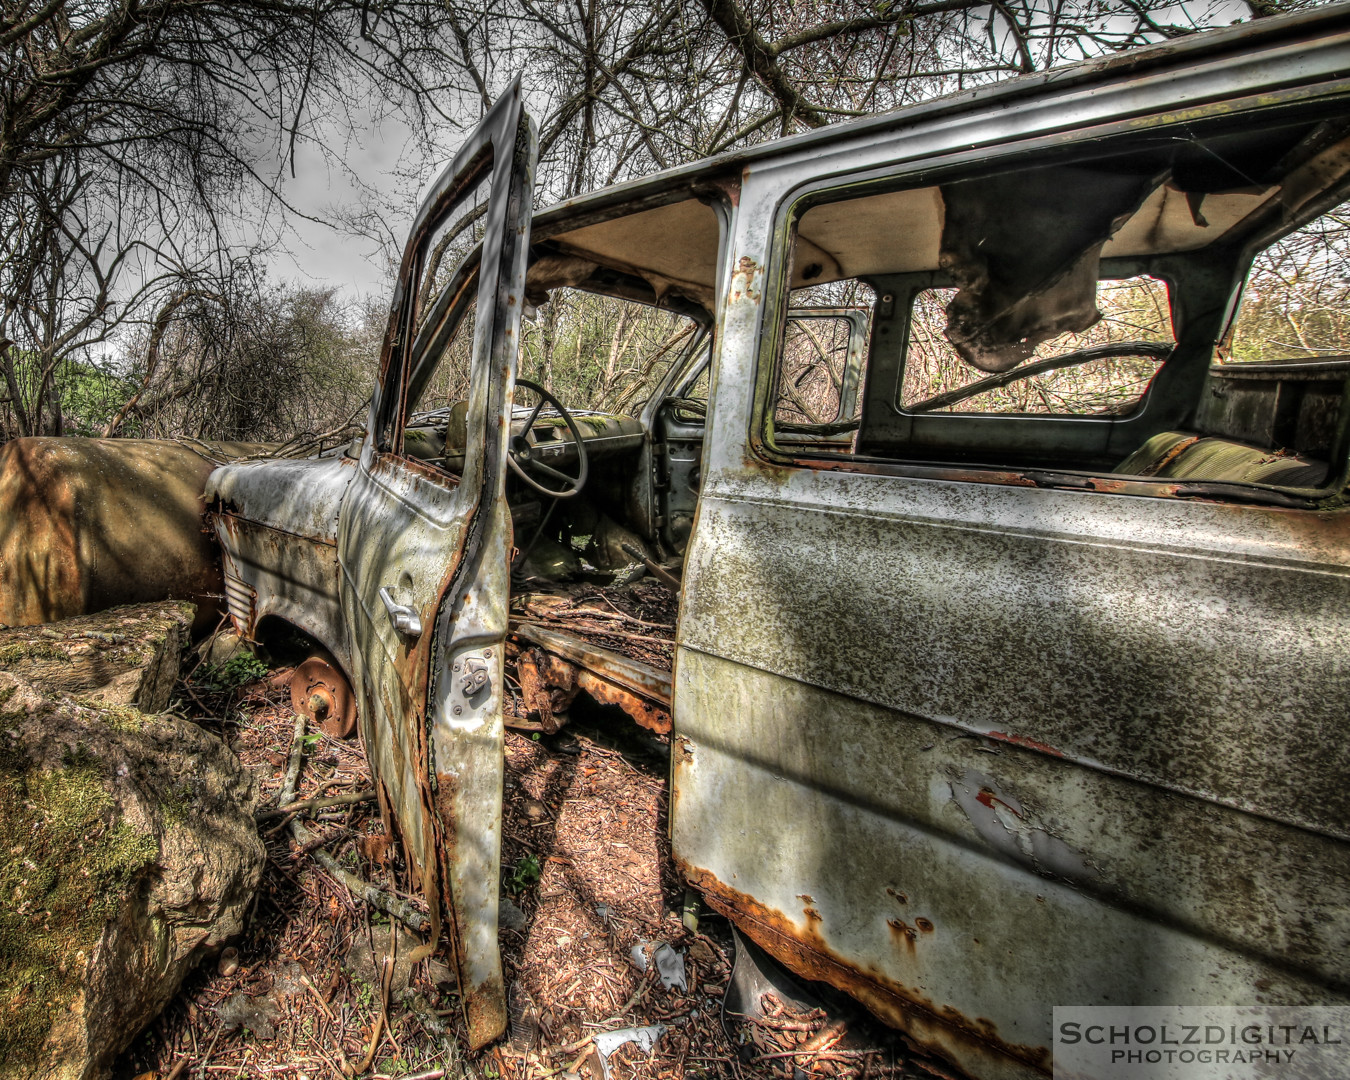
(365, 993)
(88, 393)
(18, 651)
(89, 396)
(177, 805)
(122, 718)
(524, 875)
(240, 669)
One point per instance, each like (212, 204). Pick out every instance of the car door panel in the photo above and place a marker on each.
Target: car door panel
(424, 581)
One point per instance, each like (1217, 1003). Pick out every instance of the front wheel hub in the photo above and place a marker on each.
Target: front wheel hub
(321, 692)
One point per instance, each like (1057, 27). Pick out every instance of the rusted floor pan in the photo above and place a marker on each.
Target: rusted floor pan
(566, 645)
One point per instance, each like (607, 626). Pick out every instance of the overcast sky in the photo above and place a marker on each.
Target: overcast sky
(315, 254)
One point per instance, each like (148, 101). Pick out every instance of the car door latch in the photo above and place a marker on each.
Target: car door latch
(405, 619)
(477, 676)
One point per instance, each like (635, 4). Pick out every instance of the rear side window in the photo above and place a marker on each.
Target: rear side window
(1064, 315)
(1090, 373)
(1296, 301)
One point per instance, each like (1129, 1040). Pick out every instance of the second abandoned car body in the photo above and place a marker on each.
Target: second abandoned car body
(979, 705)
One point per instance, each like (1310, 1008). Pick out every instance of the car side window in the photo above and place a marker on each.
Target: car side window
(1296, 299)
(1061, 314)
(821, 358)
(1055, 379)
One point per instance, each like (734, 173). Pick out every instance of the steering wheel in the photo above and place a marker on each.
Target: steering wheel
(523, 456)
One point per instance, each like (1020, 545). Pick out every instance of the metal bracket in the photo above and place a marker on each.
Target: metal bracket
(477, 676)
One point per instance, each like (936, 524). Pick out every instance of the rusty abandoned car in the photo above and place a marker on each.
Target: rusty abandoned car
(988, 694)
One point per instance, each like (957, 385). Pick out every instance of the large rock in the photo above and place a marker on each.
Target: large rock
(125, 656)
(127, 848)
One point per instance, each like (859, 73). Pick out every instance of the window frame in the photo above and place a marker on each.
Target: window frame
(1181, 377)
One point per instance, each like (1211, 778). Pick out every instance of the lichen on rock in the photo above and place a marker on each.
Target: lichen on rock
(127, 852)
(61, 883)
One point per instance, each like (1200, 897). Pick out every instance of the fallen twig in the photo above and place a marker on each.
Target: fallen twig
(433, 1074)
(381, 1021)
(371, 894)
(206, 1057)
(387, 979)
(318, 804)
(375, 897)
(817, 1055)
(626, 635)
(374, 1045)
(287, 793)
(618, 614)
(774, 1024)
(304, 979)
(824, 1038)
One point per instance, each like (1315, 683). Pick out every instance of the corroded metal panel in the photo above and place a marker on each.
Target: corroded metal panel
(298, 496)
(293, 578)
(276, 522)
(968, 748)
(86, 524)
(642, 678)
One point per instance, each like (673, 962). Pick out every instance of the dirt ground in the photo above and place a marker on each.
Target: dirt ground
(589, 896)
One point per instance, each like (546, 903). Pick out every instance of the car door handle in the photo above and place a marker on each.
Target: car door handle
(405, 619)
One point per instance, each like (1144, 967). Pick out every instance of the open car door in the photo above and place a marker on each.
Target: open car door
(424, 552)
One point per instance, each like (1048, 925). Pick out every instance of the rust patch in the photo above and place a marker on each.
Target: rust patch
(644, 712)
(443, 803)
(902, 932)
(76, 516)
(728, 187)
(322, 693)
(924, 924)
(965, 1041)
(1030, 744)
(547, 686)
(744, 280)
(642, 679)
(985, 797)
(482, 1003)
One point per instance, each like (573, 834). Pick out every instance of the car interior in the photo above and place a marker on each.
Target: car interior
(917, 327)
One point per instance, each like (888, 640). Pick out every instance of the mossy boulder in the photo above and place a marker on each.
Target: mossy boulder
(126, 655)
(128, 852)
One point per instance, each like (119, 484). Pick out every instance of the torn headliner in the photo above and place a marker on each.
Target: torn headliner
(673, 246)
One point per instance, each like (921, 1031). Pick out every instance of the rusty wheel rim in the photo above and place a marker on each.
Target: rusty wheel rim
(320, 691)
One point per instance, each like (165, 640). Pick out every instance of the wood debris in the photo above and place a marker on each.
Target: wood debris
(587, 872)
